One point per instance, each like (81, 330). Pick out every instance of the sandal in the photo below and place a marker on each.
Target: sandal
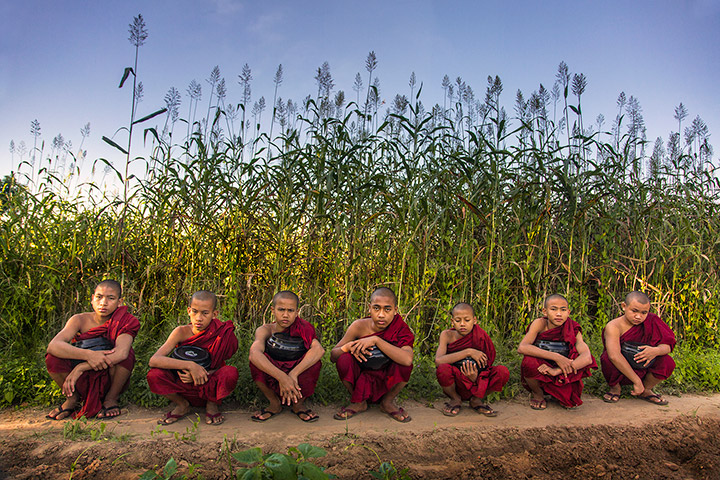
(258, 416)
(310, 416)
(399, 415)
(654, 398)
(105, 412)
(345, 413)
(610, 397)
(171, 418)
(485, 410)
(538, 404)
(210, 418)
(60, 411)
(451, 410)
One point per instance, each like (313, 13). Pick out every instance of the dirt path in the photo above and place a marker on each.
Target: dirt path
(630, 439)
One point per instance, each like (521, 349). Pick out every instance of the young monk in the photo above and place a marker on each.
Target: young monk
(186, 383)
(468, 382)
(385, 330)
(657, 339)
(95, 377)
(286, 382)
(544, 372)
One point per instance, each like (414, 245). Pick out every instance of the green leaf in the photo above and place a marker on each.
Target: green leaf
(111, 143)
(308, 451)
(9, 396)
(252, 455)
(249, 474)
(279, 464)
(128, 71)
(311, 472)
(148, 117)
(149, 475)
(170, 468)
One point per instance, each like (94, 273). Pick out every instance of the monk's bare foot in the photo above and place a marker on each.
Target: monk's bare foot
(538, 403)
(267, 413)
(396, 413)
(652, 397)
(483, 408)
(451, 409)
(350, 411)
(63, 411)
(176, 414)
(213, 416)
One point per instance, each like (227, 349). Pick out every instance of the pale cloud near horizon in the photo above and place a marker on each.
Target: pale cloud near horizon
(228, 7)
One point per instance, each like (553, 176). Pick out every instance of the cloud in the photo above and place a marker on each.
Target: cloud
(228, 7)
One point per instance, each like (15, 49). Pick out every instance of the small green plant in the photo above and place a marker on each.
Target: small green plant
(169, 471)
(73, 465)
(190, 432)
(388, 471)
(83, 429)
(295, 464)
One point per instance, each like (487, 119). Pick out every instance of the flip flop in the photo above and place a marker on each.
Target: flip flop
(538, 404)
(611, 397)
(485, 410)
(451, 410)
(210, 418)
(308, 414)
(171, 418)
(654, 398)
(104, 412)
(345, 413)
(61, 410)
(257, 416)
(399, 415)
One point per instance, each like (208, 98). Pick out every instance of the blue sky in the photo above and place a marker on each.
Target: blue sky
(61, 62)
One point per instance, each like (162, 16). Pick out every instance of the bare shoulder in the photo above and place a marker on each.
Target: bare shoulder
(449, 335)
(264, 331)
(181, 333)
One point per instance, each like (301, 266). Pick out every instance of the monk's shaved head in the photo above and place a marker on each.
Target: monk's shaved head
(554, 296)
(384, 292)
(636, 296)
(113, 284)
(204, 296)
(286, 295)
(462, 306)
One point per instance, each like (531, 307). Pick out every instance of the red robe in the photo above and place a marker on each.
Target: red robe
(92, 385)
(307, 379)
(220, 341)
(372, 385)
(567, 390)
(653, 331)
(492, 379)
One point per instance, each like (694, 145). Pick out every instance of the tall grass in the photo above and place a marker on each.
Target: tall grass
(495, 212)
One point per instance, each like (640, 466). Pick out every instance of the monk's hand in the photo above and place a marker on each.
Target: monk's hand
(638, 388)
(361, 347)
(565, 364)
(645, 355)
(289, 390)
(469, 370)
(185, 376)
(98, 359)
(198, 373)
(68, 387)
(479, 357)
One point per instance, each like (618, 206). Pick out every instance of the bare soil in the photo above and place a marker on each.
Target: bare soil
(628, 440)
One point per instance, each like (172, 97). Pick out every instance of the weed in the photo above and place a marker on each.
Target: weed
(295, 464)
(96, 431)
(190, 433)
(169, 471)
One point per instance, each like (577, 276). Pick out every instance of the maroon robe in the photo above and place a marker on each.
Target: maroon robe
(492, 379)
(567, 390)
(92, 386)
(372, 385)
(220, 341)
(653, 331)
(307, 379)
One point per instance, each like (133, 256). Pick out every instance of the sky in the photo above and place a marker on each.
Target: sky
(61, 62)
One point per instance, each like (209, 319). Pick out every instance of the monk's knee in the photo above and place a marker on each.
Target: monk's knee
(444, 374)
(502, 374)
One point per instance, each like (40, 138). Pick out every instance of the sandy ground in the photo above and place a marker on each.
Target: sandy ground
(432, 445)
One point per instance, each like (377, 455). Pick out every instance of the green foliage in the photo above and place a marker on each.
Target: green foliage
(388, 471)
(190, 433)
(295, 464)
(83, 429)
(169, 471)
(24, 379)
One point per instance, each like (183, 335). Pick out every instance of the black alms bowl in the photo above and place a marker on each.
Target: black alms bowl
(471, 360)
(375, 359)
(192, 353)
(563, 348)
(629, 350)
(284, 348)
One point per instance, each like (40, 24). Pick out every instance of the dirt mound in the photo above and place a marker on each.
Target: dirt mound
(686, 447)
(628, 440)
